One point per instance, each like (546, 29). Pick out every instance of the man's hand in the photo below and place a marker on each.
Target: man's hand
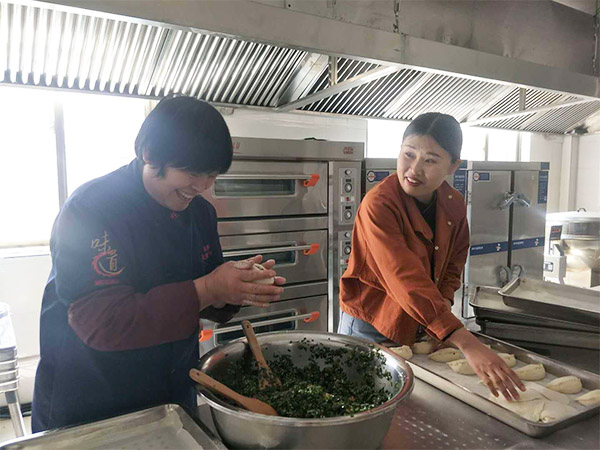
(232, 282)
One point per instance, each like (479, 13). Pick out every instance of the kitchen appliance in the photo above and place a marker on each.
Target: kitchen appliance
(293, 201)
(242, 429)
(575, 242)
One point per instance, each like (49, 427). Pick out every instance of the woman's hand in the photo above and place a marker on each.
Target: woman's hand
(232, 282)
(492, 370)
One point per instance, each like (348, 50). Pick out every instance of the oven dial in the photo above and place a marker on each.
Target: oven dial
(347, 234)
(347, 250)
(348, 214)
(348, 187)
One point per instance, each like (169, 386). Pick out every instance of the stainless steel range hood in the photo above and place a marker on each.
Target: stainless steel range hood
(380, 75)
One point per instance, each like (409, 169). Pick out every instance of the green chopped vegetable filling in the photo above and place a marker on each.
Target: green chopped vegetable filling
(321, 388)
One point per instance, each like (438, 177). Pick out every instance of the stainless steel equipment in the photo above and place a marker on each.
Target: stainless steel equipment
(540, 297)
(577, 235)
(506, 208)
(489, 305)
(293, 201)
(469, 390)
(243, 429)
(162, 427)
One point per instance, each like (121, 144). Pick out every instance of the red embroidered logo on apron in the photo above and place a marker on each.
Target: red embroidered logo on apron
(105, 263)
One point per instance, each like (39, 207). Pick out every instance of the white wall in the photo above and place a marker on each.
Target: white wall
(548, 148)
(587, 194)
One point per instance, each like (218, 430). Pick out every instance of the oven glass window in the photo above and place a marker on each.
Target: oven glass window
(281, 258)
(254, 188)
(285, 326)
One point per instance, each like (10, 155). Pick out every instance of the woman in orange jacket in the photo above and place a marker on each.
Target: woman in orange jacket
(409, 248)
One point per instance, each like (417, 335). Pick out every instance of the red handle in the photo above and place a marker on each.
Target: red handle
(313, 316)
(314, 248)
(205, 335)
(314, 179)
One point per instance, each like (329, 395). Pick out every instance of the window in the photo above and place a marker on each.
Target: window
(384, 138)
(502, 145)
(29, 180)
(100, 133)
(473, 148)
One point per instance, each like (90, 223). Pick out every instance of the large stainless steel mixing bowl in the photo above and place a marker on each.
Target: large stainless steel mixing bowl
(242, 429)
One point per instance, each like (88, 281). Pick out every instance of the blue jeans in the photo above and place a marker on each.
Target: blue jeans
(351, 326)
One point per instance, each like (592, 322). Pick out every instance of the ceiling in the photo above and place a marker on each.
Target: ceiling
(42, 46)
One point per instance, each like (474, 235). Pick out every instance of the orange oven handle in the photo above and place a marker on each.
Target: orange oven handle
(206, 335)
(308, 249)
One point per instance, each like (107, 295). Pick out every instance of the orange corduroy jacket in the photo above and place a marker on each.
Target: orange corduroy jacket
(388, 281)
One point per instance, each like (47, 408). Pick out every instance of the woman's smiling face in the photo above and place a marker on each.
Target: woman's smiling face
(422, 166)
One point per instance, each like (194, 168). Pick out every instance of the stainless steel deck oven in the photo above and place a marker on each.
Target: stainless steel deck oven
(293, 201)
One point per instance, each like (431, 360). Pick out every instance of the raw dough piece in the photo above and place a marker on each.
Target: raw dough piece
(508, 359)
(262, 280)
(461, 366)
(531, 372)
(592, 398)
(404, 351)
(530, 410)
(423, 347)
(555, 411)
(567, 385)
(446, 355)
(547, 393)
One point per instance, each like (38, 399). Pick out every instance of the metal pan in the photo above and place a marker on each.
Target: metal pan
(541, 297)
(469, 390)
(162, 427)
(542, 335)
(488, 304)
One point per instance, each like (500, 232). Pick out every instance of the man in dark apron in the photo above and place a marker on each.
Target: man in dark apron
(136, 262)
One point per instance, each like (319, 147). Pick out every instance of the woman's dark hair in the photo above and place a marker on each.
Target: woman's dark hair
(443, 128)
(185, 133)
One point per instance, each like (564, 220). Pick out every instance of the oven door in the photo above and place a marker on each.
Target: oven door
(309, 313)
(300, 256)
(259, 188)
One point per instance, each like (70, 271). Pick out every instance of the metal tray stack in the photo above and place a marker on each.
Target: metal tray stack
(569, 320)
(162, 427)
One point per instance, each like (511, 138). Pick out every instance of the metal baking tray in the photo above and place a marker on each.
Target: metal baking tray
(542, 335)
(541, 297)
(488, 304)
(468, 389)
(162, 427)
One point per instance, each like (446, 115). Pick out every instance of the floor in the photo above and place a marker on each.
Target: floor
(7, 432)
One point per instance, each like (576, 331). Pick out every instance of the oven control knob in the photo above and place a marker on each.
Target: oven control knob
(348, 172)
(348, 187)
(347, 250)
(348, 215)
(347, 234)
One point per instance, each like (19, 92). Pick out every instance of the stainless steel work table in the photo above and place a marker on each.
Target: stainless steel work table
(431, 419)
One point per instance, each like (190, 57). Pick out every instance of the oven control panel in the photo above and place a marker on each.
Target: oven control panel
(345, 248)
(349, 186)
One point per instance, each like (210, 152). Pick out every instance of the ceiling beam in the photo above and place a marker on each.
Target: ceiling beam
(350, 83)
(280, 26)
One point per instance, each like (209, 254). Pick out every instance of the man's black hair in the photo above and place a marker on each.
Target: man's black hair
(185, 133)
(444, 128)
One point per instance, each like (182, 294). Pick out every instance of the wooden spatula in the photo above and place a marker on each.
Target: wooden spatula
(249, 403)
(266, 377)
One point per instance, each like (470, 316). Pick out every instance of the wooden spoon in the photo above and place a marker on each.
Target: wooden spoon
(266, 376)
(251, 404)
